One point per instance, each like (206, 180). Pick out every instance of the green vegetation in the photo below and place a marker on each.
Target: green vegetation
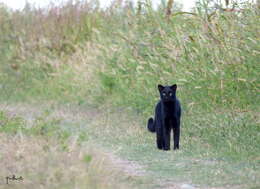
(86, 57)
(42, 127)
(44, 153)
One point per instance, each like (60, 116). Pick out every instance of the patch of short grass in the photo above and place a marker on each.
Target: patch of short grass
(217, 153)
(41, 163)
(46, 155)
(217, 149)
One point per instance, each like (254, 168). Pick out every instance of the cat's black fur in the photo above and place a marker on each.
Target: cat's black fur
(167, 118)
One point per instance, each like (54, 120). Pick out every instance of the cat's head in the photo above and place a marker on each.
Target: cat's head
(167, 93)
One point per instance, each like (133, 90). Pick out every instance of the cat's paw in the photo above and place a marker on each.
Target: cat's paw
(176, 148)
(159, 146)
(166, 148)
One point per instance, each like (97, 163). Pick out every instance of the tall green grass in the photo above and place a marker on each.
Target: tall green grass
(38, 44)
(215, 63)
(213, 57)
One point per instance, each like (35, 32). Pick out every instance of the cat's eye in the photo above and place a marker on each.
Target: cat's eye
(170, 94)
(164, 94)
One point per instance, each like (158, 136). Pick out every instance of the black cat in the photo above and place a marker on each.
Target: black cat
(167, 117)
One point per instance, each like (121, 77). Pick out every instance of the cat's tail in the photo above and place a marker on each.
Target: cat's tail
(151, 125)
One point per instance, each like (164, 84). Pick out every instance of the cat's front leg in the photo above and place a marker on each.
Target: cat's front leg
(166, 135)
(159, 139)
(176, 135)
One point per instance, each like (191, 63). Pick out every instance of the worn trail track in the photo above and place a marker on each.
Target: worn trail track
(86, 118)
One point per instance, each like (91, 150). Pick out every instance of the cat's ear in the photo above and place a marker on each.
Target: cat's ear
(174, 87)
(160, 87)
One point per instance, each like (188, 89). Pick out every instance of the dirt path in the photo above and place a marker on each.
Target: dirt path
(87, 119)
(73, 115)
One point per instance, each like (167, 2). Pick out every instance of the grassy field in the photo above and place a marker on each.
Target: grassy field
(78, 83)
